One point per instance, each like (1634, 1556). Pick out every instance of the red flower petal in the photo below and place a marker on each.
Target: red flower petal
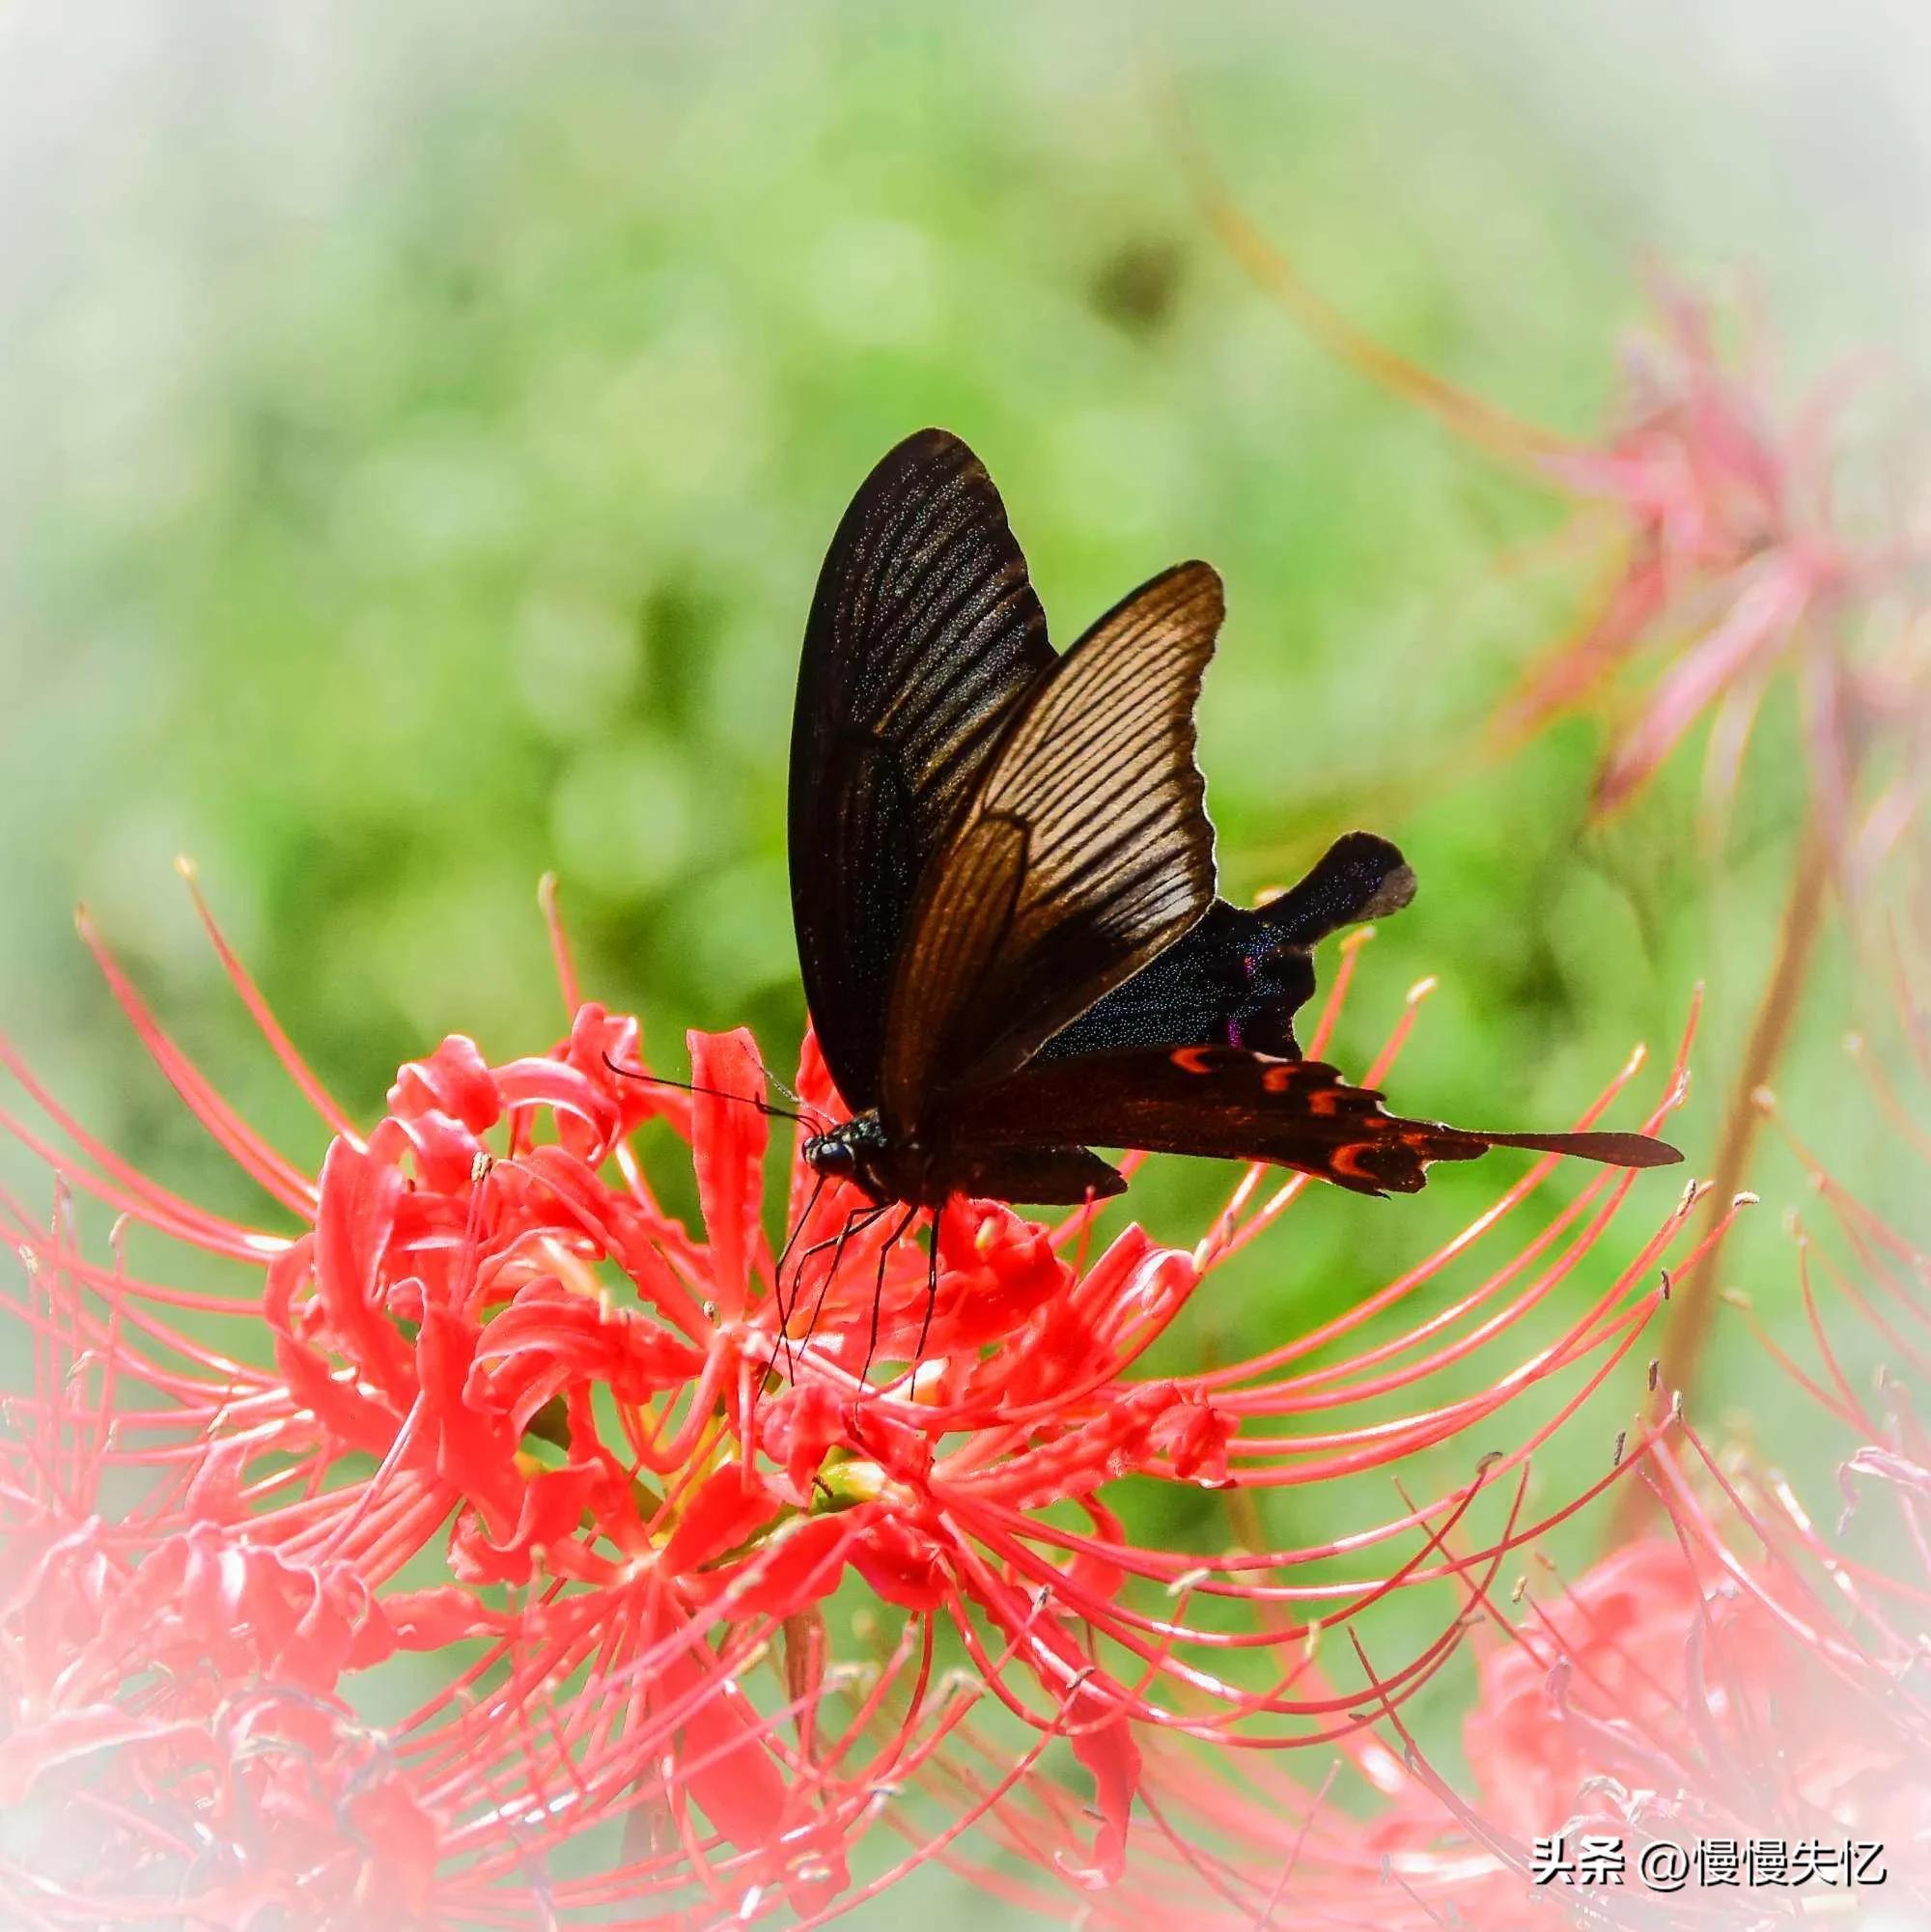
(798, 1428)
(800, 1564)
(352, 1222)
(728, 1508)
(1108, 1750)
(66, 1738)
(455, 1080)
(552, 1338)
(727, 1764)
(729, 1138)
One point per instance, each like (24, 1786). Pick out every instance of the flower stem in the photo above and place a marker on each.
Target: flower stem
(1776, 1011)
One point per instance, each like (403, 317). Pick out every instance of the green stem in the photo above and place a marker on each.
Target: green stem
(1689, 1327)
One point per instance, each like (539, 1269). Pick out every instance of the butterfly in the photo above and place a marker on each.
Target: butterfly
(1002, 880)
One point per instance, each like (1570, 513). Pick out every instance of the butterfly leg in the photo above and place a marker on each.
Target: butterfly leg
(930, 1293)
(786, 1307)
(893, 1240)
(856, 1222)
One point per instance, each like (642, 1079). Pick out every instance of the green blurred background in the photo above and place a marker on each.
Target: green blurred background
(420, 429)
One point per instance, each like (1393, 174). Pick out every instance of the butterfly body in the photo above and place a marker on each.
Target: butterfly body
(1003, 884)
(887, 1166)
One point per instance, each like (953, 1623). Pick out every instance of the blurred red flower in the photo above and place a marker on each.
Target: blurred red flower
(1739, 563)
(479, 1551)
(1752, 542)
(1752, 546)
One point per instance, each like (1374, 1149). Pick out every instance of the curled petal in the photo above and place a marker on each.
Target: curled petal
(454, 1080)
(1106, 1745)
(729, 1135)
(730, 1505)
(552, 1338)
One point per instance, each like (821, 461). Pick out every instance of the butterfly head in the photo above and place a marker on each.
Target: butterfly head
(856, 1150)
(832, 1156)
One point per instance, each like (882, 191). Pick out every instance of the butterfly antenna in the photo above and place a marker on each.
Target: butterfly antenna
(692, 1087)
(806, 1112)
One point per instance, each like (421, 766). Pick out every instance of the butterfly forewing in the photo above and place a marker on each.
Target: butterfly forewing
(1083, 851)
(923, 632)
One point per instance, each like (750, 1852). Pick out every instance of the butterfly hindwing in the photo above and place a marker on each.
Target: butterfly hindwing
(1238, 1105)
(1239, 976)
(1083, 851)
(924, 631)
(1049, 1177)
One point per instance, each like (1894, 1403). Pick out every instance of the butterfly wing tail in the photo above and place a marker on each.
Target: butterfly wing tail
(1612, 1150)
(1360, 877)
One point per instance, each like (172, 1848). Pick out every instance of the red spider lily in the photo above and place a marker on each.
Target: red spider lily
(1738, 570)
(667, 1608)
(1753, 1670)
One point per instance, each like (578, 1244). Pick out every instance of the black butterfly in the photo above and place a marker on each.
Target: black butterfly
(1002, 877)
